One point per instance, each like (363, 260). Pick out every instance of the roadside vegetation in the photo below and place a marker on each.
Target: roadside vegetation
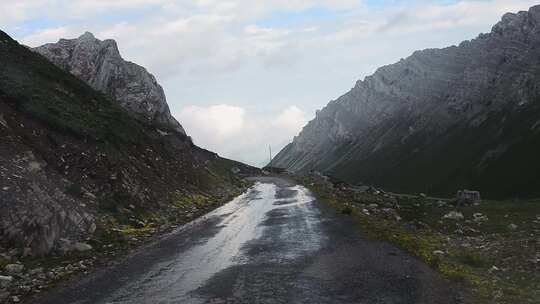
(120, 231)
(492, 247)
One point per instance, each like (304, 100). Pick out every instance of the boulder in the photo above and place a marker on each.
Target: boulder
(468, 197)
(454, 215)
(14, 268)
(81, 247)
(479, 217)
(438, 253)
(5, 281)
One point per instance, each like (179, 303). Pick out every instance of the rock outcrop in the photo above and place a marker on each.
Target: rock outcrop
(465, 116)
(99, 64)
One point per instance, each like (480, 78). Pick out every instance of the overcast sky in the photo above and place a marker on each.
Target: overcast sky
(240, 75)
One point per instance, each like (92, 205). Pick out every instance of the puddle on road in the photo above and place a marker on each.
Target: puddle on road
(244, 219)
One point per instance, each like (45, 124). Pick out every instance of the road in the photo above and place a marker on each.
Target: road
(274, 244)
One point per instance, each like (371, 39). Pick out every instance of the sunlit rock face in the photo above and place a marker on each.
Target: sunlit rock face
(99, 64)
(439, 120)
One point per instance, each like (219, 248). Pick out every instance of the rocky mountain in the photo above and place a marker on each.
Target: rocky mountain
(75, 166)
(465, 116)
(99, 64)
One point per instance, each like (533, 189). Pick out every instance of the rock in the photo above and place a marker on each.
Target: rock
(5, 281)
(479, 218)
(3, 122)
(493, 269)
(89, 195)
(36, 271)
(440, 204)
(15, 299)
(5, 257)
(82, 247)
(453, 215)
(14, 268)
(438, 253)
(467, 197)
(512, 226)
(69, 246)
(100, 65)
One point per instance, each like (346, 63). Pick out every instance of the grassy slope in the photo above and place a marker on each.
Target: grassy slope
(454, 160)
(471, 249)
(60, 99)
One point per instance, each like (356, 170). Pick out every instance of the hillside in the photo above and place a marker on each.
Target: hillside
(465, 116)
(100, 65)
(75, 166)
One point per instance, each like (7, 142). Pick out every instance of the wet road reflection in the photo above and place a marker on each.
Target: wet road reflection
(273, 244)
(240, 221)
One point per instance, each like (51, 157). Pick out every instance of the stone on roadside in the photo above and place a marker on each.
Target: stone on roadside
(479, 217)
(454, 215)
(82, 247)
(438, 252)
(36, 271)
(512, 226)
(493, 269)
(5, 281)
(14, 268)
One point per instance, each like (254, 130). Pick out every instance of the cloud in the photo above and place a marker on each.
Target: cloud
(238, 133)
(49, 35)
(213, 124)
(291, 119)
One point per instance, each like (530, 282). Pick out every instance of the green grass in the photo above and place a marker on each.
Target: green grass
(422, 231)
(60, 100)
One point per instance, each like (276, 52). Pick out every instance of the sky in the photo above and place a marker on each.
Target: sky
(243, 75)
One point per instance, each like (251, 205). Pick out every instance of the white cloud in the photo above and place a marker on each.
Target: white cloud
(215, 123)
(238, 133)
(291, 119)
(49, 35)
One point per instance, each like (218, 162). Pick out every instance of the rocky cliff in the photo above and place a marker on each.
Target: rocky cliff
(99, 64)
(75, 166)
(465, 116)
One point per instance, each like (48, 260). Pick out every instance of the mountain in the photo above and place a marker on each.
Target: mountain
(465, 116)
(74, 165)
(99, 64)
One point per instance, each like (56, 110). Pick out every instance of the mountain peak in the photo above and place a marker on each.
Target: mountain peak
(100, 65)
(87, 36)
(519, 23)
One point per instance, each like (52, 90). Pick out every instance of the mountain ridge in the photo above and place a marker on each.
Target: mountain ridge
(429, 123)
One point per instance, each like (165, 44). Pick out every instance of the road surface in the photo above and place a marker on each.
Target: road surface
(273, 244)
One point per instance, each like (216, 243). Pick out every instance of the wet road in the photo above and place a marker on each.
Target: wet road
(273, 244)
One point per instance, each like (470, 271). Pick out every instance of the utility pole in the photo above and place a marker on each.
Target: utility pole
(270, 149)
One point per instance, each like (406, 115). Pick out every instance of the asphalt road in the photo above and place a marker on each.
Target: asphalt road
(273, 244)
